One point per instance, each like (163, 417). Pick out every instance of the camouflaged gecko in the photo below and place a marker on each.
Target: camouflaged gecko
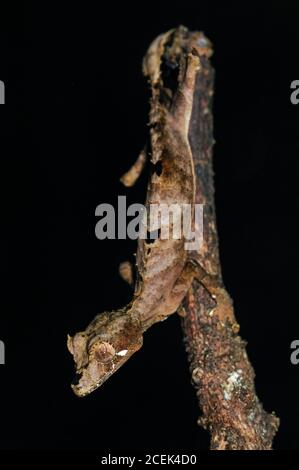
(165, 270)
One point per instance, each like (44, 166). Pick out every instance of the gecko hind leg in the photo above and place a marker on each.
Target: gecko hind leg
(129, 178)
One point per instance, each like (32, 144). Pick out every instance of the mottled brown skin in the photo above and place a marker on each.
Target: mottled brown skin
(165, 270)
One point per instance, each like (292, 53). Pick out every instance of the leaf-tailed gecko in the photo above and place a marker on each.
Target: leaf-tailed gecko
(165, 270)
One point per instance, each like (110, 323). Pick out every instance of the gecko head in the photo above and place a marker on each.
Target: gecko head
(107, 343)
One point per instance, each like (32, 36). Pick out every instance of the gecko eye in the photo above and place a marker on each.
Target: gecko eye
(102, 352)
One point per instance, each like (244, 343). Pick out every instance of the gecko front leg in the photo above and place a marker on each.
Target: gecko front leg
(126, 272)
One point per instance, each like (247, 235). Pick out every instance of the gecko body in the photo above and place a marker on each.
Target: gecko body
(165, 270)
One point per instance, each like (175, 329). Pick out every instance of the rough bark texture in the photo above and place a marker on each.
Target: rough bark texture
(221, 372)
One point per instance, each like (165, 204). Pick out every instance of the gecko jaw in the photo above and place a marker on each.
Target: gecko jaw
(86, 384)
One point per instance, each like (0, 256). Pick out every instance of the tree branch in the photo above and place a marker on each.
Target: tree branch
(221, 372)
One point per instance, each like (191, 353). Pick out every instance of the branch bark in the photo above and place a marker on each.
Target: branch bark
(221, 372)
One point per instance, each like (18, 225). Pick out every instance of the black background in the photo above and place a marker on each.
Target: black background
(74, 120)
